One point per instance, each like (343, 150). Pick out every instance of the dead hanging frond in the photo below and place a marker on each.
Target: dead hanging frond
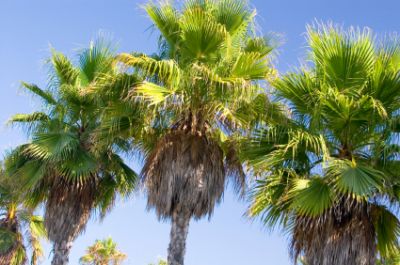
(68, 208)
(185, 170)
(234, 167)
(345, 234)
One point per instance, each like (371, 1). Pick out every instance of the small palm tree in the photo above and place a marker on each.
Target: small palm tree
(18, 227)
(103, 252)
(65, 166)
(331, 168)
(198, 90)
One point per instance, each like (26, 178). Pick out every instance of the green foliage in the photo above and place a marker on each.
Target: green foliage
(338, 140)
(19, 226)
(208, 60)
(65, 138)
(103, 252)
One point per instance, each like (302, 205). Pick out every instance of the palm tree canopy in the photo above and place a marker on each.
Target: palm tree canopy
(64, 160)
(103, 252)
(199, 91)
(338, 149)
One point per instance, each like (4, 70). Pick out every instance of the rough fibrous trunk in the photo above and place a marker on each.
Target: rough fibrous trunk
(179, 231)
(61, 253)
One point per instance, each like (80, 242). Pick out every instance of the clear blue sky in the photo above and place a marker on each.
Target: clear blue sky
(28, 28)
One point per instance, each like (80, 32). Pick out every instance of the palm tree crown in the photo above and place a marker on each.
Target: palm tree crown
(332, 166)
(103, 252)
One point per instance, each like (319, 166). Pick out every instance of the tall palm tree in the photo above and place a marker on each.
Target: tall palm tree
(65, 166)
(103, 252)
(18, 226)
(200, 88)
(330, 170)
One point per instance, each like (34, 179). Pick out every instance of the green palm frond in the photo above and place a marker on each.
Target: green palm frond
(29, 118)
(112, 87)
(301, 90)
(94, 60)
(167, 71)
(31, 172)
(202, 36)
(80, 166)
(251, 66)
(166, 19)
(64, 72)
(46, 96)
(311, 197)
(387, 228)
(258, 45)
(121, 178)
(234, 15)
(29, 122)
(268, 198)
(153, 93)
(356, 179)
(345, 58)
(53, 146)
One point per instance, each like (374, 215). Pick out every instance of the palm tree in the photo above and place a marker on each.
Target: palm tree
(330, 171)
(65, 165)
(103, 252)
(199, 89)
(18, 226)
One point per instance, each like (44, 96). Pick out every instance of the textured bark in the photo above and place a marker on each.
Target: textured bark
(61, 253)
(179, 231)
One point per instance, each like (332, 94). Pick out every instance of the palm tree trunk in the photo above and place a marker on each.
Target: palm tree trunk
(61, 253)
(179, 231)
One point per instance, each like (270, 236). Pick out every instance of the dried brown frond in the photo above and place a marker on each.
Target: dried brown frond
(343, 235)
(185, 170)
(68, 208)
(234, 168)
